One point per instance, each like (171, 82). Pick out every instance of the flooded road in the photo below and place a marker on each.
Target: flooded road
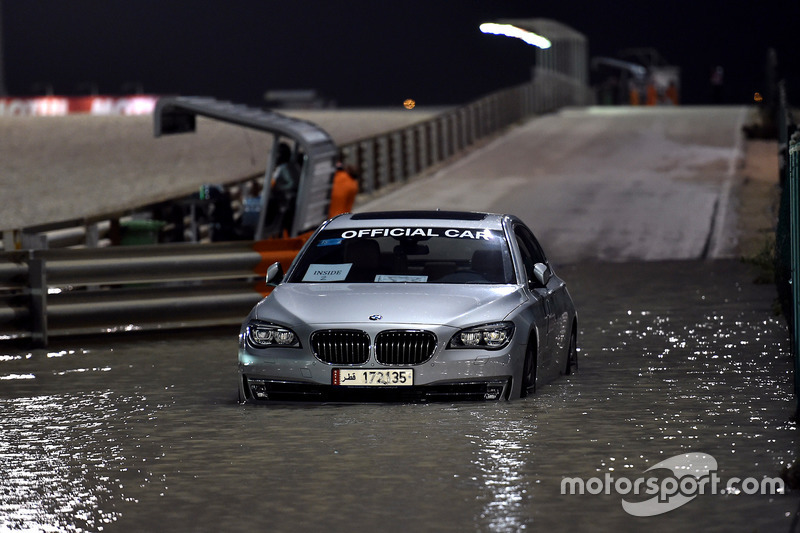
(143, 433)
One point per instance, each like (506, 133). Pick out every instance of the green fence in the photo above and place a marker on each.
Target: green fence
(793, 172)
(787, 234)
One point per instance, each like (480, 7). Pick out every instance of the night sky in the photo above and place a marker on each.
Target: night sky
(374, 52)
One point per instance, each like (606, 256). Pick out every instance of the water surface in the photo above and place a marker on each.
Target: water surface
(124, 433)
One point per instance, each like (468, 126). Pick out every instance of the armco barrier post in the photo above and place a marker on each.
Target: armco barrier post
(463, 129)
(37, 284)
(410, 152)
(422, 144)
(369, 175)
(435, 142)
(383, 162)
(473, 123)
(349, 155)
(397, 156)
(444, 128)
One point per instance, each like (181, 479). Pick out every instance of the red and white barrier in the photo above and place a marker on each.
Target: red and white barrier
(54, 106)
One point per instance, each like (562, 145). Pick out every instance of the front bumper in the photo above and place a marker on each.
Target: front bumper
(296, 374)
(261, 389)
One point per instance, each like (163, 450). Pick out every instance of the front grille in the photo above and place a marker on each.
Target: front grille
(404, 347)
(341, 346)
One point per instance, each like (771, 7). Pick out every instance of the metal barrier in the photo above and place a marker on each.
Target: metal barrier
(787, 232)
(93, 290)
(783, 259)
(794, 200)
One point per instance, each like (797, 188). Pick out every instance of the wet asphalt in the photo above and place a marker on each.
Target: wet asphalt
(132, 433)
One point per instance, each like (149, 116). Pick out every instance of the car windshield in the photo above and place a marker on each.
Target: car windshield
(406, 255)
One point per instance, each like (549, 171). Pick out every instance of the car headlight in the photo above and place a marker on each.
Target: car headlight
(266, 335)
(488, 337)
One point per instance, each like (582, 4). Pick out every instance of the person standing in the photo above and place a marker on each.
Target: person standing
(283, 190)
(286, 177)
(343, 190)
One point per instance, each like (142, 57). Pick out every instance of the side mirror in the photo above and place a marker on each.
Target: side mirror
(542, 273)
(274, 274)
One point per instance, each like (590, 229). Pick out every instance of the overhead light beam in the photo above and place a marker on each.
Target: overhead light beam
(509, 30)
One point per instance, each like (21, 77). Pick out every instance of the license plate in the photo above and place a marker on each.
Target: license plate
(368, 377)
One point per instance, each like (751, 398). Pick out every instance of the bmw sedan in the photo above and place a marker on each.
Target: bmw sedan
(410, 306)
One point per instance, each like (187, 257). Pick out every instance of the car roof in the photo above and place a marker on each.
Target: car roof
(437, 218)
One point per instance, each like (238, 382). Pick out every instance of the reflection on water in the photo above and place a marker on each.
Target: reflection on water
(59, 456)
(500, 459)
(133, 434)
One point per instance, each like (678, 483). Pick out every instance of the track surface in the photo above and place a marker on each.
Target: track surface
(611, 184)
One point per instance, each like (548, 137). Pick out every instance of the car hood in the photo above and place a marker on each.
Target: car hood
(397, 303)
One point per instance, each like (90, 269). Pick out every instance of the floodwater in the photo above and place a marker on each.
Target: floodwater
(143, 433)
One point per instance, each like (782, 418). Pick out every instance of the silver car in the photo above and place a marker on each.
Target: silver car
(410, 306)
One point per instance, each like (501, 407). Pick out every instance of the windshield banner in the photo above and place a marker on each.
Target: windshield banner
(452, 233)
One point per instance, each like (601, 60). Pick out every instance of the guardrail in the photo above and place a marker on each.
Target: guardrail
(93, 290)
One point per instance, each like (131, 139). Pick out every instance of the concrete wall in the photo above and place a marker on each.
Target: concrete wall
(59, 168)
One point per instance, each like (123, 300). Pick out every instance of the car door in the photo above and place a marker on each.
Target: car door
(559, 307)
(531, 253)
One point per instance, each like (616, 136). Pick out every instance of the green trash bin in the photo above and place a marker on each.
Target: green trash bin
(138, 232)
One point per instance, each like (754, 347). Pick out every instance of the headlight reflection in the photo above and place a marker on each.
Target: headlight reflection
(501, 460)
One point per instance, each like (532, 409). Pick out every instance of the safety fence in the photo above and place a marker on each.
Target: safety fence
(787, 233)
(793, 169)
(127, 288)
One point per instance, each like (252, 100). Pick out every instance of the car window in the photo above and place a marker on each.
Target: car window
(533, 245)
(529, 248)
(406, 255)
